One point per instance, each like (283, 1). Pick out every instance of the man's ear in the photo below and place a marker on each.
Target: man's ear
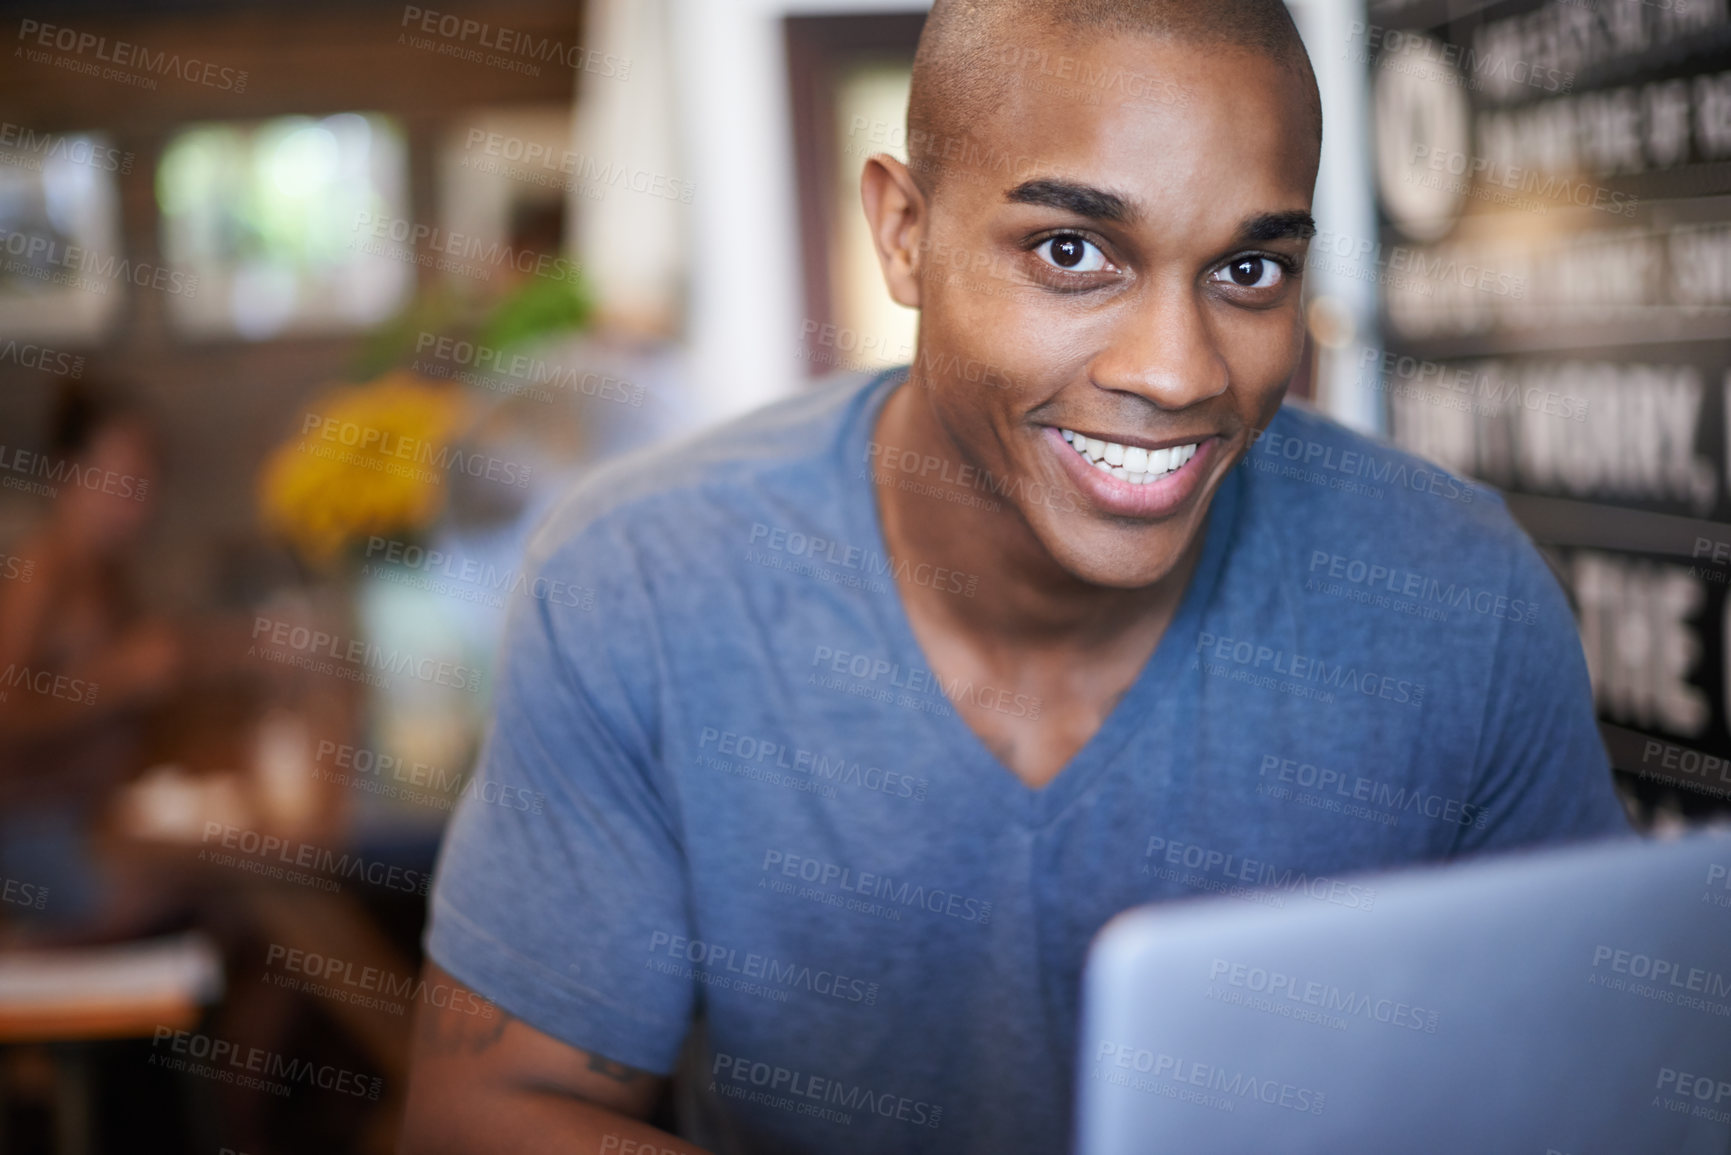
(895, 212)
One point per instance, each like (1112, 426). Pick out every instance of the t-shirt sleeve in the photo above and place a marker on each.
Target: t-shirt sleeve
(1541, 774)
(564, 856)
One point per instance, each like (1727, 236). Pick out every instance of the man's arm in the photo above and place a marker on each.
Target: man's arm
(479, 1084)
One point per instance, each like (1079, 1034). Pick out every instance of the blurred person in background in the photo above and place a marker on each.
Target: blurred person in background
(84, 663)
(1098, 644)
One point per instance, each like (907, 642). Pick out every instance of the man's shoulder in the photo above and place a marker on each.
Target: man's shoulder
(1333, 488)
(686, 489)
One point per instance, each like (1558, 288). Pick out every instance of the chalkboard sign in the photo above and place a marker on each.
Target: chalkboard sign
(1554, 267)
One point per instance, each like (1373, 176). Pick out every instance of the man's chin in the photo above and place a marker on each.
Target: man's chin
(1118, 561)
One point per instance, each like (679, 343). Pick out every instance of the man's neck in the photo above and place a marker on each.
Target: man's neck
(1025, 601)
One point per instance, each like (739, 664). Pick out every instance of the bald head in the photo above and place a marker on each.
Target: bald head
(970, 52)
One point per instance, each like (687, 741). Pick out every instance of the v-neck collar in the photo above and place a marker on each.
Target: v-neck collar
(980, 769)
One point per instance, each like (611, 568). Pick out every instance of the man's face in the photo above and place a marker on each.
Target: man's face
(1131, 277)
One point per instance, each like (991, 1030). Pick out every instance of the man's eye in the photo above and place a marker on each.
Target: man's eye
(1251, 273)
(1072, 254)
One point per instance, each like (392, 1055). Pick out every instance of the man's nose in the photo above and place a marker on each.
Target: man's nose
(1163, 350)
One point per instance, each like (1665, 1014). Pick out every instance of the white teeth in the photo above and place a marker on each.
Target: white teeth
(1130, 463)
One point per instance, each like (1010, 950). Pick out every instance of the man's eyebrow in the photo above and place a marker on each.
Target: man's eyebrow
(1083, 200)
(1297, 226)
(1097, 203)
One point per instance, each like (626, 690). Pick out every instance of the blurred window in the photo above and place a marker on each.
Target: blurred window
(849, 76)
(60, 274)
(277, 219)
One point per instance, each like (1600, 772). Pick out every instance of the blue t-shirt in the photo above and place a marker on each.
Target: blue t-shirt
(730, 823)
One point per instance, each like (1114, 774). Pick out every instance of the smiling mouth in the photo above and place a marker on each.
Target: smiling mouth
(1130, 463)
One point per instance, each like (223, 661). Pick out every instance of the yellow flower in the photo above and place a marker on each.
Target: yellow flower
(370, 459)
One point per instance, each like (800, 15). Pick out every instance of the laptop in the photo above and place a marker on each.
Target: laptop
(1571, 1001)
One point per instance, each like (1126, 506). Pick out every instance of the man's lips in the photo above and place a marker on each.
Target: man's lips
(1140, 461)
(1144, 481)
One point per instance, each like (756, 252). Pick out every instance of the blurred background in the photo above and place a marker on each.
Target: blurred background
(307, 311)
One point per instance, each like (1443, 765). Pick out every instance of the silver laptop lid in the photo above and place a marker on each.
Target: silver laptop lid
(1565, 1001)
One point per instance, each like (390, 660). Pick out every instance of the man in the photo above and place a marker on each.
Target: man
(897, 691)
